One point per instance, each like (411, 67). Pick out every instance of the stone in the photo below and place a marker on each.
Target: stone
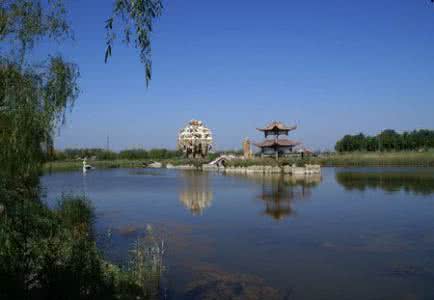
(155, 165)
(298, 170)
(207, 167)
(276, 170)
(185, 167)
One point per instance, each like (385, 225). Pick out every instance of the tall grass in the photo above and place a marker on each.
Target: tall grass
(76, 165)
(103, 154)
(146, 263)
(76, 212)
(253, 162)
(52, 254)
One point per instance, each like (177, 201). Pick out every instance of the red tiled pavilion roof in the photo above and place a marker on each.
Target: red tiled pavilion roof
(278, 142)
(277, 125)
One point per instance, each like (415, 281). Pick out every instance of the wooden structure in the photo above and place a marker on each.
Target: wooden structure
(276, 146)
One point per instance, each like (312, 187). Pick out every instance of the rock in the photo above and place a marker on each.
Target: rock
(298, 170)
(287, 169)
(276, 170)
(170, 166)
(208, 167)
(185, 167)
(312, 169)
(155, 165)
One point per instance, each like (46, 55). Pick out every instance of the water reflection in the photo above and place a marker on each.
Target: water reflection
(377, 251)
(421, 182)
(279, 192)
(196, 194)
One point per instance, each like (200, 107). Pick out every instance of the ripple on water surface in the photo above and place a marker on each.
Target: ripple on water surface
(351, 233)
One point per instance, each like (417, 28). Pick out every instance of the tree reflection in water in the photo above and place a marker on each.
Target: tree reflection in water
(196, 194)
(418, 183)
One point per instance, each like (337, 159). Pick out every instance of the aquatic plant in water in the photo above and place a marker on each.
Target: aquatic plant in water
(146, 263)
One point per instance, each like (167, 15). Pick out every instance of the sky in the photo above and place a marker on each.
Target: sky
(330, 67)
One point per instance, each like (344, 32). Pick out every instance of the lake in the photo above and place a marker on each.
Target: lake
(351, 233)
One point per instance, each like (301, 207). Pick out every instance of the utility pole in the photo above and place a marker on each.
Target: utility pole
(108, 143)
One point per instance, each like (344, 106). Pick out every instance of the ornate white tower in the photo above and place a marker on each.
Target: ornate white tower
(195, 140)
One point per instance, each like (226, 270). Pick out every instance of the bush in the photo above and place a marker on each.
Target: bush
(75, 212)
(55, 253)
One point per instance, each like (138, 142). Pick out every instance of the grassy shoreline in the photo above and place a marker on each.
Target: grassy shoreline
(377, 159)
(76, 165)
(356, 159)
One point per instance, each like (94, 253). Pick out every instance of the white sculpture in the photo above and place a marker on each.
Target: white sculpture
(195, 140)
(86, 166)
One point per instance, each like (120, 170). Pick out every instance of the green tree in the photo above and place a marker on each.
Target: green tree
(388, 140)
(137, 18)
(371, 143)
(42, 255)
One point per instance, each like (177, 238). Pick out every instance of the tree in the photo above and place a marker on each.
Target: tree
(387, 140)
(137, 18)
(42, 254)
(25, 22)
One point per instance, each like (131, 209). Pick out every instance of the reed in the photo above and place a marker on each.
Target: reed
(422, 159)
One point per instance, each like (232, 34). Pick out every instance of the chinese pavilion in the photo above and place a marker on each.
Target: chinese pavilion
(276, 146)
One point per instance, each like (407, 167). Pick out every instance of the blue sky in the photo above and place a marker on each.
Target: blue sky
(331, 67)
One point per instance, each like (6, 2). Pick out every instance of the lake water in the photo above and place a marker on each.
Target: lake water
(351, 233)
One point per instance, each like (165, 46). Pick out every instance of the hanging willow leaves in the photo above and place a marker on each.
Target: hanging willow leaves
(136, 18)
(43, 255)
(25, 22)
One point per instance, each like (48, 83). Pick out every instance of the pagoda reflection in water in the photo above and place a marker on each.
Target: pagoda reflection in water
(196, 194)
(279, 192)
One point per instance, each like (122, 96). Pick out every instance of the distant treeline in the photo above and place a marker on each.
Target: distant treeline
(388, 140)
(103, 154)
